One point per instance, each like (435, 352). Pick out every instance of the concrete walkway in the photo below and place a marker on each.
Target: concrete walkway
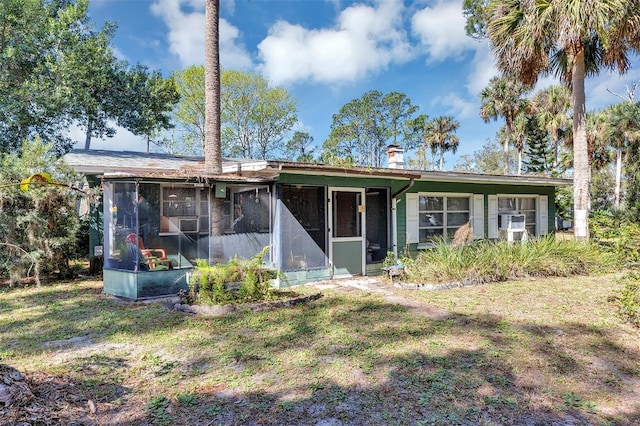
(376, 285)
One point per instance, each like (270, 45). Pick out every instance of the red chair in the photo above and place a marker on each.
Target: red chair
(156, 258)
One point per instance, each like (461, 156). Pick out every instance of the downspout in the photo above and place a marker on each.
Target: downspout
(394, 215)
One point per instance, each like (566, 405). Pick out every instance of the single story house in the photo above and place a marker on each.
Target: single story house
(161, 214)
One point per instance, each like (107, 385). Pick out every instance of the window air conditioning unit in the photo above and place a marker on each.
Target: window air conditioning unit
(512, 222)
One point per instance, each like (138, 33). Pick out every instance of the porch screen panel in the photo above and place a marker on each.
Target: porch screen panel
(246, 223)
(301, 226)
(377, 224)
(345, 210)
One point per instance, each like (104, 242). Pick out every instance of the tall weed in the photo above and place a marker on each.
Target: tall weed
(628, 299)
(616, 235)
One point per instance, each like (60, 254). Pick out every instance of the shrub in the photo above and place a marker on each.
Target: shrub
(234, 282)
(628, 299)
(487, 261)
(615, 233)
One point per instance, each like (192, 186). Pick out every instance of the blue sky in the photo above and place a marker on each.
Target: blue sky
(329, 52)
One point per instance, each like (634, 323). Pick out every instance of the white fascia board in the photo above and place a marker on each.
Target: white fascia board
(245, 167)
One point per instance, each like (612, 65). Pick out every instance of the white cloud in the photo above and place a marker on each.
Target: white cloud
(441, 29)
(123, 140)
(185, 19)
(598, 89)
(483, 67)
(458, 107)
(365, 39)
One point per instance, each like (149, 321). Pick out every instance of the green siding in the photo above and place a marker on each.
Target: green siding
(470, 188)
(294, 278)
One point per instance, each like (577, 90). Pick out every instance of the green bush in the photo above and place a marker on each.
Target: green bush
(615, 233)
(488, 261)
(628, 299)
(237, 281)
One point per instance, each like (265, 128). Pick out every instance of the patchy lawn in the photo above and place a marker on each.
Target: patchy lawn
(546, 351)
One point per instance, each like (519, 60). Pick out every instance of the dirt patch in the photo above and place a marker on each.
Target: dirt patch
(224, 310)
(375, 285)
(41, 400)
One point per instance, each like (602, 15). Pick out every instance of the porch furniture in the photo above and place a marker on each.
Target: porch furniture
(394, 272)
(156, 258)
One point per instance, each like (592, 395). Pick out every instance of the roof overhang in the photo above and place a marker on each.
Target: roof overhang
(436, 176)
(139, 165)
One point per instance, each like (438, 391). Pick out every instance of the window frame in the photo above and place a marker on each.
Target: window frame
(535, 212)
(444, 211)
(175, 221)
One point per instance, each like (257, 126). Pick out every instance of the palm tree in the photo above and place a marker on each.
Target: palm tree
(519, 136)
(552, 108)
(440, 136)
(212, 145)
(503, 97)
(575, 38)
(623, 130)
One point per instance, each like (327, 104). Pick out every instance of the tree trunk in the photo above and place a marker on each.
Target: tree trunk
(581, 166)
(519, 162)
(441, 159)
(212, 146)
(616, 191)
(87, 140)
(555, 150)
(505, 146)
(212, 143)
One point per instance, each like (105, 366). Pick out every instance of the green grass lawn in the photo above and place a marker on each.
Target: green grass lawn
(544, 351)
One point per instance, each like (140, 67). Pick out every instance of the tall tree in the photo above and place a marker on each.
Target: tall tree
(212, 142)
(503, 97)
(519, 136)
(300, 147)
(39, 43)
(255, 117)
(398, 112)
(552, 106)
(538, 152)
(440, 137)
(362, 129)
(623, 130)
(487, 160)
(95, 79)
(274, 118)
(148, 102)
(190, 112)
(576, 38)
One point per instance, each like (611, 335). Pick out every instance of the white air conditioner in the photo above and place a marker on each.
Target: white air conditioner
(512, 222)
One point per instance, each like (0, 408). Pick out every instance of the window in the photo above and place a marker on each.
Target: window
(519, 205)
(182, 210)
(441, 216)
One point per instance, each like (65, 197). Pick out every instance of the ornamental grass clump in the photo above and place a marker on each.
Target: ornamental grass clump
(237, 281)
(488, 261)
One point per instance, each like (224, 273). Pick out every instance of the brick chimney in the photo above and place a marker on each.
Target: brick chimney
(396, 157)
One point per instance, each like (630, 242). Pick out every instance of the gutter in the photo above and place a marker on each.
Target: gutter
(394, 215)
